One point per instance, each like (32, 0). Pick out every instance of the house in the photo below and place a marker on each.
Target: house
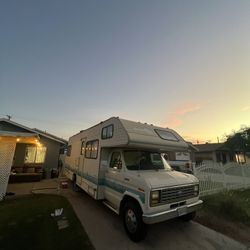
(26, 154)
(217, 152)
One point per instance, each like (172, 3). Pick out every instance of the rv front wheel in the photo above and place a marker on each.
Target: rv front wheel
(132, 220)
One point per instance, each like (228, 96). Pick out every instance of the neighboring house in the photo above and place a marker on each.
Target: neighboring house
(36, 152)
(217, 152)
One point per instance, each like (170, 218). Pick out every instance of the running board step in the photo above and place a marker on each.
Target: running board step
(109, 205)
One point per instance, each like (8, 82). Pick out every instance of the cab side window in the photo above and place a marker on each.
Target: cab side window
(116, 162)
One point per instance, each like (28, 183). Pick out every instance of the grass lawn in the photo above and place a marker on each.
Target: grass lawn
(26, 223)
(228, 213)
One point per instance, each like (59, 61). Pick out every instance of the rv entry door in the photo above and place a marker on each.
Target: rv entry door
(82, 158)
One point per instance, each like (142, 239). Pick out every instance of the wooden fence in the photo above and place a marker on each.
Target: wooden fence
(215, 177)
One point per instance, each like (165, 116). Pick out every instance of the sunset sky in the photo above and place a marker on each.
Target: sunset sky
(67, 65)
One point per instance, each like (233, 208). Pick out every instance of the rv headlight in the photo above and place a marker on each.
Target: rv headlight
(196, 189)
(154, 197)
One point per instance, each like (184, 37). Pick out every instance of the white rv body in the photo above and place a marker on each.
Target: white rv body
(89, 164)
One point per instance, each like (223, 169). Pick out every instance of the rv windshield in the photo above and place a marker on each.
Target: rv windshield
(144, 160)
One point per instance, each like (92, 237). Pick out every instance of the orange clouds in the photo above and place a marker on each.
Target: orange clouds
(246, 108)
(176, 117)
(187, 108)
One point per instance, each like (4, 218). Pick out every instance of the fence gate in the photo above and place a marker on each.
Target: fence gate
(7, 150)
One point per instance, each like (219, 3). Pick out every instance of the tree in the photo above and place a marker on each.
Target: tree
(239, 142)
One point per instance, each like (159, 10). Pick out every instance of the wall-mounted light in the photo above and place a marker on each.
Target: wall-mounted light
(39, 144)
(18, 139)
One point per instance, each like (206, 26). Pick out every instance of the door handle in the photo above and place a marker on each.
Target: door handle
(126, 179)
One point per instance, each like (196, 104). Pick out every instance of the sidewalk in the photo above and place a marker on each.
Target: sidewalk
(51, 186)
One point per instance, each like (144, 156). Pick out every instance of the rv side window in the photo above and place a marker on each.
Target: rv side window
(82, 147)
(94, 149)
(166, 135)
(107, 132)
(91, 150)
(116, 162)
(69, 150)
(88, 150)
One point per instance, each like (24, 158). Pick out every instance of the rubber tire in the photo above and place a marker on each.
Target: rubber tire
(141, 229)
(188, 217)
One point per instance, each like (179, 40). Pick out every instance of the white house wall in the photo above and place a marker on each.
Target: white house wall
(7, 150)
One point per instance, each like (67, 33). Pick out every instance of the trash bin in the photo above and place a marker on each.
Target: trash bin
(54, 173)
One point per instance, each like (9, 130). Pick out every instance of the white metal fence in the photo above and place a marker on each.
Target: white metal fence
(215, 177)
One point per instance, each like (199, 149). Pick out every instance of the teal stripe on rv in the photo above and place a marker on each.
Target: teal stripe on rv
(122, 189)
(104, 182)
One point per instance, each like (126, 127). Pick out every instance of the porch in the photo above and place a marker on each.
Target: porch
(27, 165)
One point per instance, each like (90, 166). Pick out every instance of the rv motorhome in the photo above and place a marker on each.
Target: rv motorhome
(121, 162)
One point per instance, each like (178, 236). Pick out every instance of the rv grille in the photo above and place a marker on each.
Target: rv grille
(171, 195)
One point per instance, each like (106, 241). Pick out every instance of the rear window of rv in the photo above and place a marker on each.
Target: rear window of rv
(91, 150)
(166, 135)
(107, 132)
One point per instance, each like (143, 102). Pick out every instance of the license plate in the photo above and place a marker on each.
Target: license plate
(182, 210)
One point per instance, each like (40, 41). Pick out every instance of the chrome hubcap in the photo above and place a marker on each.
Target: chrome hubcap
(131, 221)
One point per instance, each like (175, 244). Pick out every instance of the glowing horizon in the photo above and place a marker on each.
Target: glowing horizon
(185, 65)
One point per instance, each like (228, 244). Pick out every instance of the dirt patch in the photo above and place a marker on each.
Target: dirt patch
(235, 230)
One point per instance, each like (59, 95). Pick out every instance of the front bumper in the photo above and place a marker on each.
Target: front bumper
(170, 214)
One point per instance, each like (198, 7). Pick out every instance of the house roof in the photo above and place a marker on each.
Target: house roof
(31, 132)
(17, 134)
(50, 136)
(192, 146)
(209, 147)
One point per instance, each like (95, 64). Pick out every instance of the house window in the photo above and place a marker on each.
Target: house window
(35, 154)
(166, 135)
(240, 158)
(69, 148)
(63, 150)
(107, 132)
(91, 150)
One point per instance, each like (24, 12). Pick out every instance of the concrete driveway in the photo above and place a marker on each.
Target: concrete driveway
(106, 231)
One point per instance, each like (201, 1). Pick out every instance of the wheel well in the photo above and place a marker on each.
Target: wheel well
(126, 199)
